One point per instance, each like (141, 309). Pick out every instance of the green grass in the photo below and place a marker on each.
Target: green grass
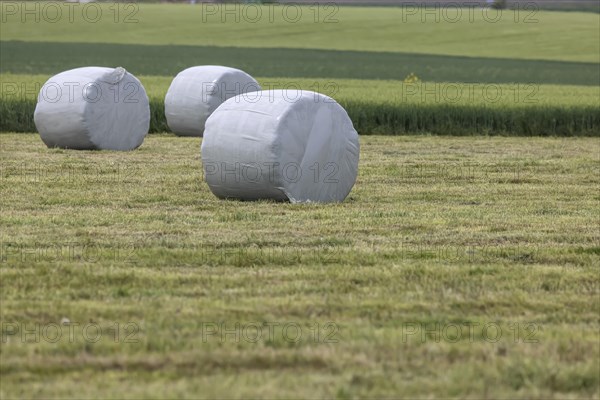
(27, 87)
(568, 5)
(364, 43)
(396, 30)
(436, 230)
(168, 60)
(387, 107)
(550, 79)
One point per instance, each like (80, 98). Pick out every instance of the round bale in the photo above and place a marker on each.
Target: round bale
(285, 145)
(93, 108)
(197, 91)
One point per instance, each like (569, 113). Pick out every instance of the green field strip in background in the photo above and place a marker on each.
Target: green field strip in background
(51, 58)
(523, 34)
(385, 107)
(27, 86)
(389, 119)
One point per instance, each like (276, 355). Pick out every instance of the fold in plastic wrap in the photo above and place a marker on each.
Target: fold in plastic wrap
(197, 91)
(291, 145)
(93, 108)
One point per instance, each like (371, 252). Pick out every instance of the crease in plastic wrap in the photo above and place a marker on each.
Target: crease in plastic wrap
(282, 145)
(196, 92)
(93, 108)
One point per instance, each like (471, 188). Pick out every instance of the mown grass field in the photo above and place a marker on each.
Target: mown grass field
(437, 230)
(463, 265)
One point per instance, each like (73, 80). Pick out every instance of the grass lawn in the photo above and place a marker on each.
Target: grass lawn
(498, 235)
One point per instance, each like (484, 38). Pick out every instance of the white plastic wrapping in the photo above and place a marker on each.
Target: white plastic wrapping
(93, 108)
(197, 91)
(291, 145)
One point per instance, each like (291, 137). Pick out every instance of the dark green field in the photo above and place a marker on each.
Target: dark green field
(48, 58)
(388, 107)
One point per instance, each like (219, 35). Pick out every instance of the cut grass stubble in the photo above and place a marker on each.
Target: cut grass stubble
(437, 232)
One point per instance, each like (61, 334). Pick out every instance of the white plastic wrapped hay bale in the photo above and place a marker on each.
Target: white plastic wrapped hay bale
(197, 91)
(93, 108)
(299, 146)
